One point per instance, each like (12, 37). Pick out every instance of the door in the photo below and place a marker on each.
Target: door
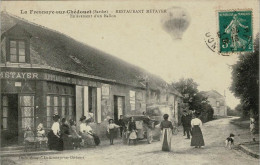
(119, 104)
(9, 122)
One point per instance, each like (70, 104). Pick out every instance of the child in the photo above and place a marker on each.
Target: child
(29, 135)
(40, 130)
(111, 129)
(132, 130)
(41, 137)
(29, 138)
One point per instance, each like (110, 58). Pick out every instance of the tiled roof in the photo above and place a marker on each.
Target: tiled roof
(54, 49)
(212, 94)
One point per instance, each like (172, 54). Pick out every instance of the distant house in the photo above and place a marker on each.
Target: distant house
(43, 72)
(217, 101)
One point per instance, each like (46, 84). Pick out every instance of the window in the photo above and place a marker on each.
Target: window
(61, 105)
(52, 108)
(27, 111)
(49, 104)
(70, 108)
(17, 51)
(132, 100)
(5, 112)
(217, 103)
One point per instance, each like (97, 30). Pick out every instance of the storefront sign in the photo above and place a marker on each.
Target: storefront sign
(19, 75)
(49, 77)
(52, 77)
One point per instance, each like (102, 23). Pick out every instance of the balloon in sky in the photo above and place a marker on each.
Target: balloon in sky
(175, 22)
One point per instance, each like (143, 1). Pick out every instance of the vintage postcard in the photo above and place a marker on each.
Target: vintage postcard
(129, 82)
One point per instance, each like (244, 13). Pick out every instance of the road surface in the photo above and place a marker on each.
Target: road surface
(214, 152)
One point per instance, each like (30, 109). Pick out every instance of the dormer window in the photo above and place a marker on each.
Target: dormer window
(15, 44)
(17, 51)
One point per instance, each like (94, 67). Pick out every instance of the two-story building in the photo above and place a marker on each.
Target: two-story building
(44, 72)
(217, 101)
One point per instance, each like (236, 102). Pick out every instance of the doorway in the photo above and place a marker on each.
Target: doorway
(9, 119)
(92, 102)
(119, 106)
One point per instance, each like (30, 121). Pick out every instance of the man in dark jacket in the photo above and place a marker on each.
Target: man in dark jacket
(186, 122)
(121, 124)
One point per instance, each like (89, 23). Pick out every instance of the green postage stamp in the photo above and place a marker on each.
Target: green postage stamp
(235, 31)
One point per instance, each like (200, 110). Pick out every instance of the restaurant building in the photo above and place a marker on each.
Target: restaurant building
(44, 72)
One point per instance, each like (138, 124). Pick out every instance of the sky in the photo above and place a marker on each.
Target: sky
(140, 39)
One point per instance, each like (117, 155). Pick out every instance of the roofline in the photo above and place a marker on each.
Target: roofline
(36, 66)
(33, 66)
(213, 90)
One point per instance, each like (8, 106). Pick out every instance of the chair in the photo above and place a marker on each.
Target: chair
(29, 140)
(34, 142)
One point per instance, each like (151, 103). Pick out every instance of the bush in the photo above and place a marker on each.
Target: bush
(231, 112)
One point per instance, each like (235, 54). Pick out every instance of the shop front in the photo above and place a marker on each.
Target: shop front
(28, 99)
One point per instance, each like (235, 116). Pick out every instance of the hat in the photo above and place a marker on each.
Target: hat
(71, 121)
(82, 118)
(89, 120)
(110, 120)
(56, 117)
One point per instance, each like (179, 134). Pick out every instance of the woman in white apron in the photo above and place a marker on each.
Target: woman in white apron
(166, 127)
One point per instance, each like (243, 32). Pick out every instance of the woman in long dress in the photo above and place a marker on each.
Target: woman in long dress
(54, 136)
(167, 128)
(66, 135)
(197, 137)
(76, 138)
(86, 132)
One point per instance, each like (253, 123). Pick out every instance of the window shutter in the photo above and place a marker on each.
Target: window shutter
(86, 107)
(98, 105)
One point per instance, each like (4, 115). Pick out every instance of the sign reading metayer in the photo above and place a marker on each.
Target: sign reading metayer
(19, 75)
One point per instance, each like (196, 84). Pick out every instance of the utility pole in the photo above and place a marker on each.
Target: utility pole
(145, 80)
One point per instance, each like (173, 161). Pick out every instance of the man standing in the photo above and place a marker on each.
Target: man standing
(186, 122)
(121, 124)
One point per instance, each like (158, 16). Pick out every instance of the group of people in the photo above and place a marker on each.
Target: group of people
(64, 136)
(131, 127)
(192, 125)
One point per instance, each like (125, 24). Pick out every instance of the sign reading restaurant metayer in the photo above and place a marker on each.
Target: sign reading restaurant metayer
(42, 76)
(19, 75)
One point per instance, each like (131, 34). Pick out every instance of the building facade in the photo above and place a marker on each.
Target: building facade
(217, 101)
(44, 72)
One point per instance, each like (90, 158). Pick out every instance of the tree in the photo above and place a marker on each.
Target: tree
(189, 89)
(239, 109)
(245, 84)
(233, 112)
